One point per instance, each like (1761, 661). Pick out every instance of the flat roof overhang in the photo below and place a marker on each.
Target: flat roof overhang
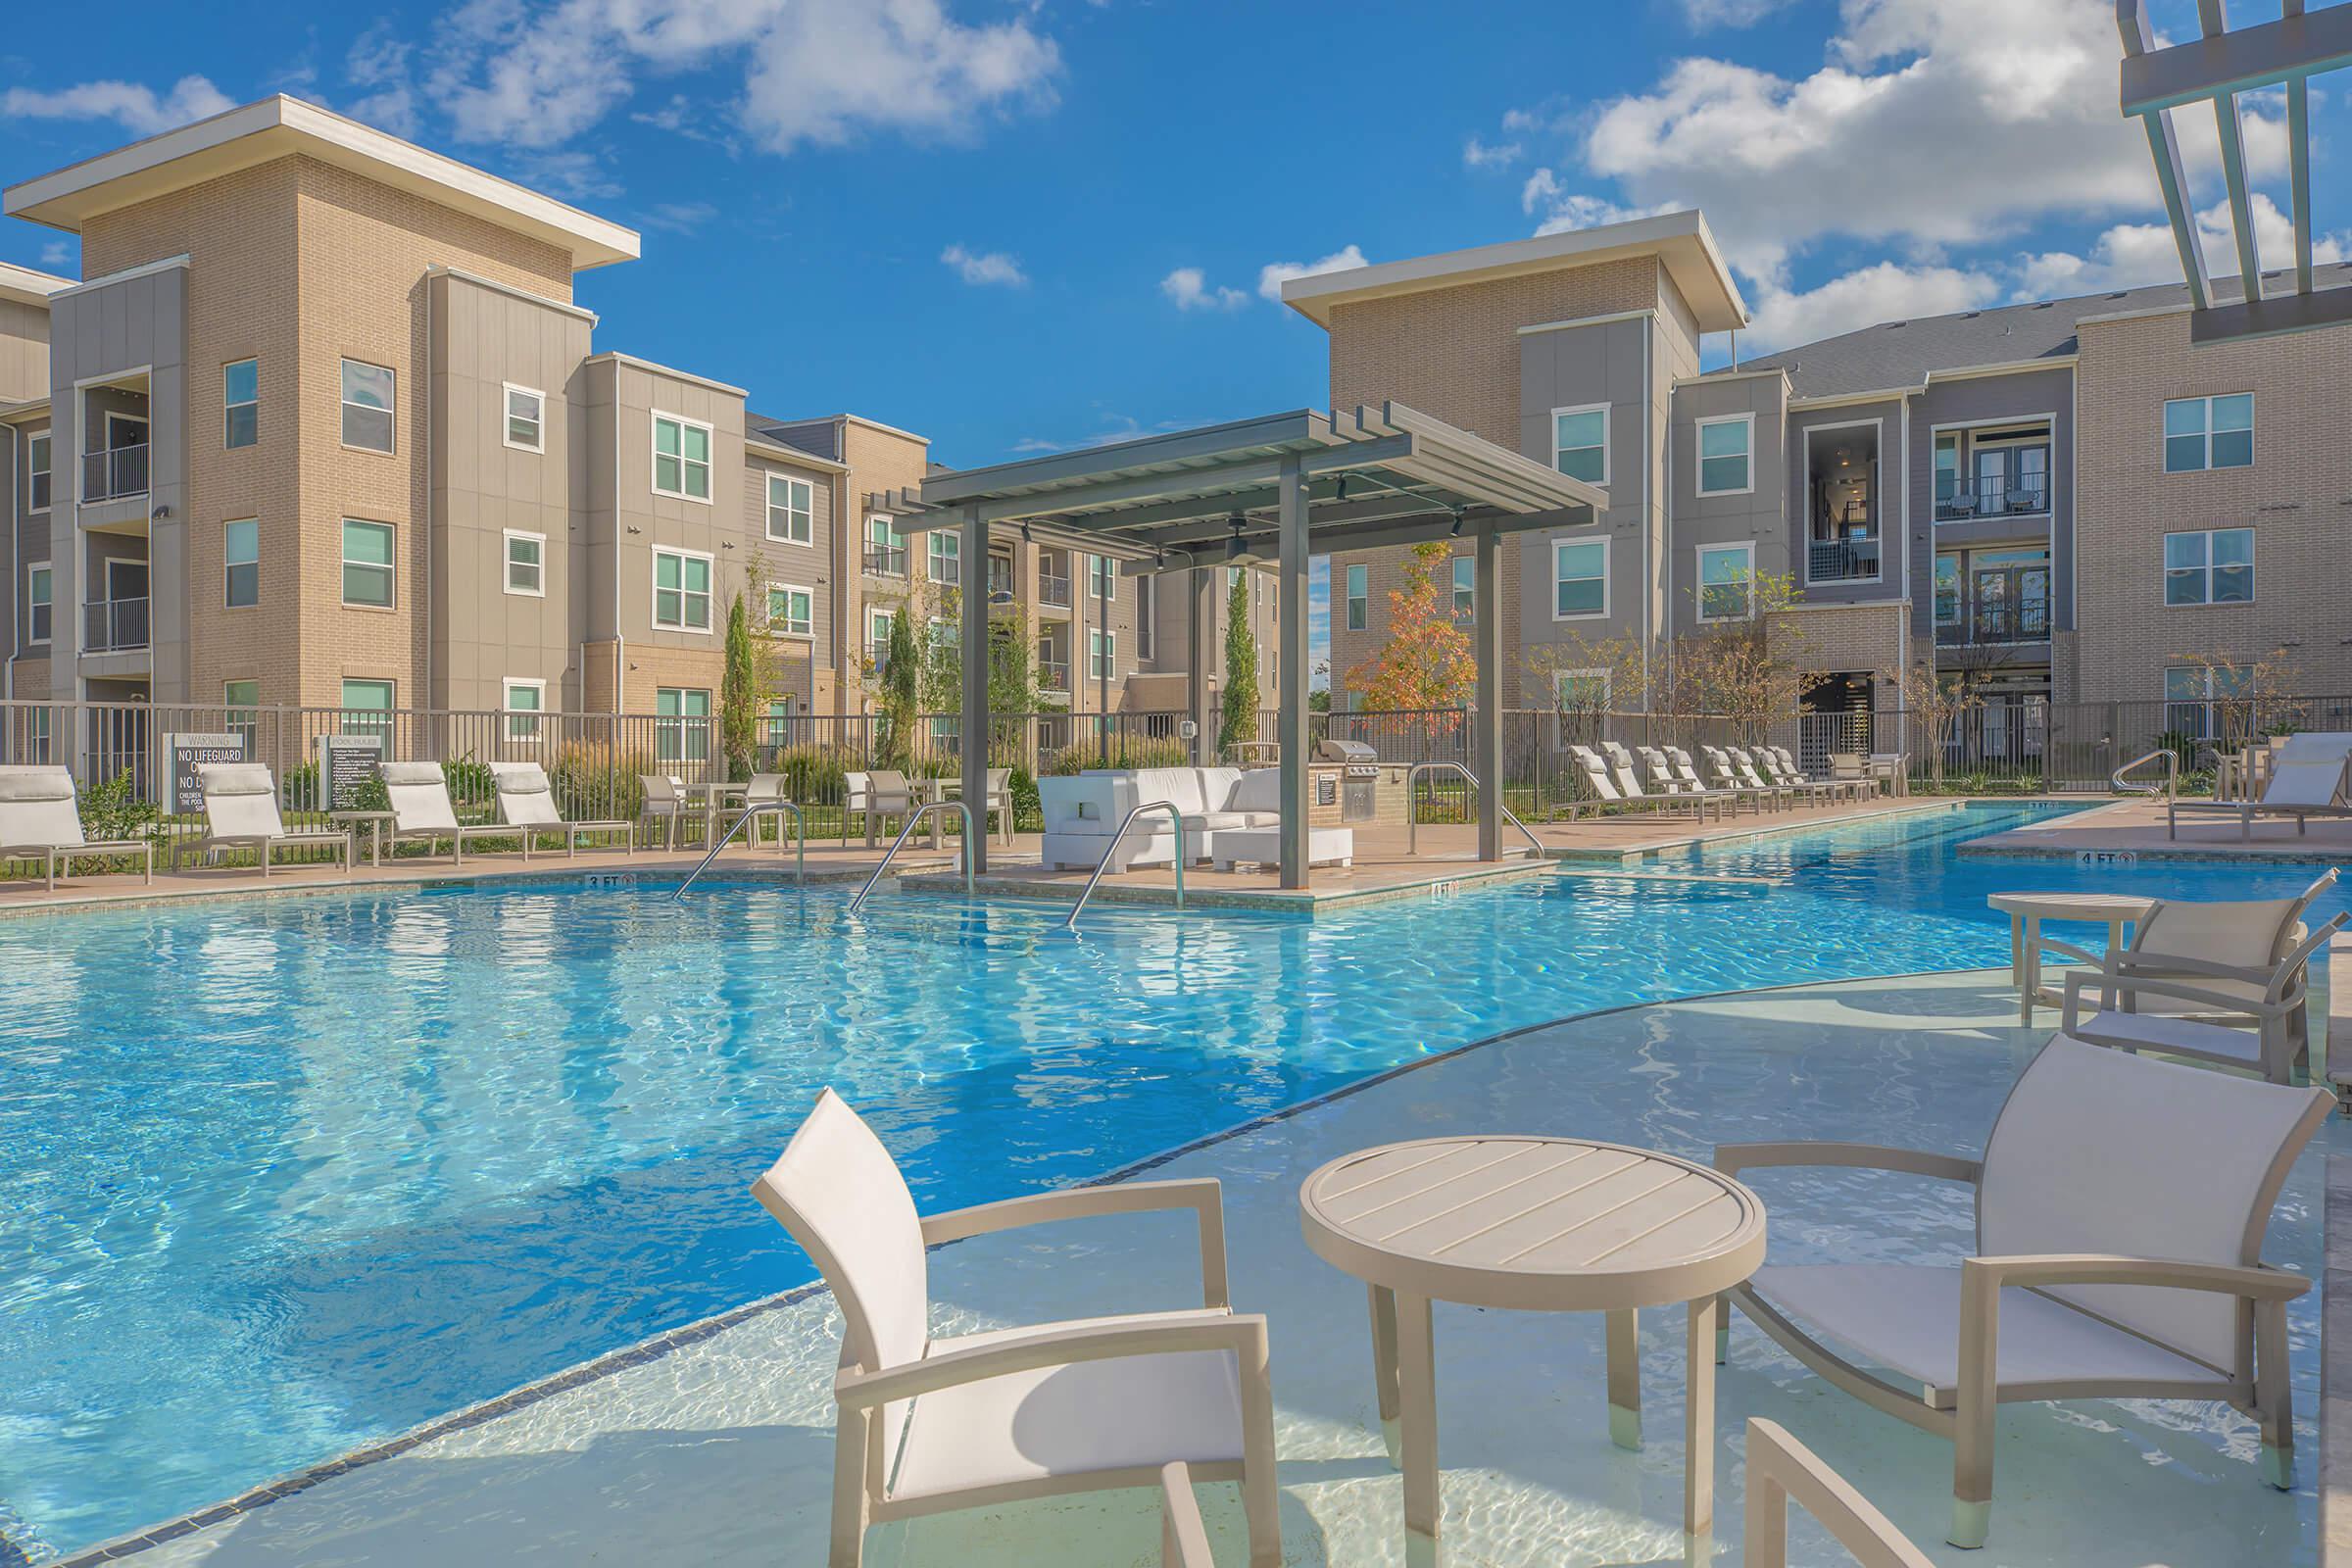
(1681, 241)
(1209, 495)
(22, 286)
(256, 132)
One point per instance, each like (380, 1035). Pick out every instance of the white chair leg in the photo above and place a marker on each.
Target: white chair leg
(849, 1438)
(2274, 1403)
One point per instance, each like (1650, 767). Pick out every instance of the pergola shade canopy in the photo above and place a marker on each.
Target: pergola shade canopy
(1374, 478)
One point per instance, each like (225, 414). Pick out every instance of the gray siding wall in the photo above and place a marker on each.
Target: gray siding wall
(1601, 362)
(485, 338)
(23, 351)
(1759, 516)
(1979, 400)
(103, 330)
(647, 521)
(801, 565)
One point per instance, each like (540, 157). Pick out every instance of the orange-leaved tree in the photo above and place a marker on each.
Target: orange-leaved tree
(1427, 661)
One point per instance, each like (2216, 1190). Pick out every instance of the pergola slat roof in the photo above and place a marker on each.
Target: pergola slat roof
(1375, 476)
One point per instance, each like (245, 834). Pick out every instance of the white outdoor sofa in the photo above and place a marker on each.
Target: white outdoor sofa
(1082, 812)
(40, 820)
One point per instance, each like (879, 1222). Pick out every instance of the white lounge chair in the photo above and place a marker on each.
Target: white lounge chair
(240, 812)
(527, 801)
(1619, 758)
(2225, 983)
(1781, 1471)
(925, 1425)
(1766, 768)
(1858, 789)
(1604, 791)
(421, 812)
(2311, 775)
(1183, 1537)
(40, 820)
(1665, 778)
(1728, 774)
(874, 796)
(2107, 1263)
(663, 799)
(1686, 769)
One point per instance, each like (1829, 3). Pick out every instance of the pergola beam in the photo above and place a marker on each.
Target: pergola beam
(2242, 199)
(2296, 45)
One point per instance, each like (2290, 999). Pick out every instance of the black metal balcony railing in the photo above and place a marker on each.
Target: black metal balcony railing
(115, 473)
(999, 581)
(2025, 498)
(1842, 560)
(1053, 674)
(1053, 590)
(2023, 621)
(886, 560)
(113, 625)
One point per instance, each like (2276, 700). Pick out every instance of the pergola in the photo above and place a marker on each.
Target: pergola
(1276, 489)
(2213, 69)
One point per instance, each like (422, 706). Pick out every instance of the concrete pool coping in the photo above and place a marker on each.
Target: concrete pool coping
(2334, 1413)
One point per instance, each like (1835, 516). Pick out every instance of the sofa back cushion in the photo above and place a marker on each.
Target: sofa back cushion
(1181, 785)
(1259, 789)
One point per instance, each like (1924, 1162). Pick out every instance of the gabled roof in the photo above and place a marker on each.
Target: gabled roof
(1681, 241)
(255, 132)
(1906, 354)
(27, 287)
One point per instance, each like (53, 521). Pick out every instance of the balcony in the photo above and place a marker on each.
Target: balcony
(1965, 504)
(1053, 590)
(113, 626)
(113, 474)
(1053, 674)
(1000, 579)
(886, 560)
(1843, 560)
(1992, 626)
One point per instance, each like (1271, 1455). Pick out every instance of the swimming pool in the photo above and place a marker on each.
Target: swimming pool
(283, 1176)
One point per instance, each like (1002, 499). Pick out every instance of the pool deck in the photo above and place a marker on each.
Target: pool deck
(1382, 868)
(2136, 827)
(712, 1446)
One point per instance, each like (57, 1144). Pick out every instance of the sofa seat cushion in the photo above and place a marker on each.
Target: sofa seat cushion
(1210, 822)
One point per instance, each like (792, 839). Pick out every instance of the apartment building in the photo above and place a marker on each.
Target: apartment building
(2059, 501)
(324, 425)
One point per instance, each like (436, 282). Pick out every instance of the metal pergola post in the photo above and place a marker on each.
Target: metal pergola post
(1291, 503)
(973, 604)
(1486, 628)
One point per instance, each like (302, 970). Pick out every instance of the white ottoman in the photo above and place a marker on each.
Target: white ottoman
(1262, 846)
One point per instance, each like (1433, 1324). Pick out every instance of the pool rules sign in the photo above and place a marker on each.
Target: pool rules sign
(186, 753)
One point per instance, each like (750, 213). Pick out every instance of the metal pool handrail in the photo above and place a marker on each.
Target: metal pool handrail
(1412, 822)
(1175, 820)
(905, 832)
(799, 861)
(2171, 774)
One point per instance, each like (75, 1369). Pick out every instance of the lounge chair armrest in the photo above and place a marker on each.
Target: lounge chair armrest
(2165, 985)
(1732, 1158)
(1243, 1333)
(2130, 965)
(1199, 1193)
(2260, 1283)
(2067, 950)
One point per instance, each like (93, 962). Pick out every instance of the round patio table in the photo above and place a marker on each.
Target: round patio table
(1539, 1225)
(2026, 911)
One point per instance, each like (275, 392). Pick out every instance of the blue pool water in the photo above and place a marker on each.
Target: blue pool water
(280, 1177)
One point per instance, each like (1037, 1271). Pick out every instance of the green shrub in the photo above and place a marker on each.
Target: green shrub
(1027, 810)
(115, 810)
(597, 781)
(1126, 751)
(813, 773)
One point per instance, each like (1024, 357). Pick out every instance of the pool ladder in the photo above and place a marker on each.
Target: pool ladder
(1175, 821)
(1412, 818)
(2172, 775)
(907, 832)
(799, 863)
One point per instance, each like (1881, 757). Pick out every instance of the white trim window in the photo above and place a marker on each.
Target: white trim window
(943, 557)
(1726, 582)
(1465, 588)
(1358, 597)
(367, 706)
(1101, 654)
(2209, 566)
(40, 610)
(877, 638)
(683, 723)
(525, 701)
(1727, 456)
(681, 590)
(240, 404)
(2216, 432)
(2191, 692)
(526, 417)
(681, 457)
(241, 564)
(885, 546)
(1573, 692)
(367, 564)
(1580, 580)
(367, 397)
(791, 509)
(40, 470)
(1580, 442)
(791, 610)
(526, 563)
(1103, 578)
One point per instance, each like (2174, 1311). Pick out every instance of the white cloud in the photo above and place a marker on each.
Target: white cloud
(578, 177)
(57, 253)
(135, 107)
(1931, 124)
(2132, 255)
(1564, 208)
(1888, 291)
(680, 218)
(988, 267)
(1705, 14)
(378, 62)
(1188, 287)
(1477, 154)
(1274, 275)
(816, 71)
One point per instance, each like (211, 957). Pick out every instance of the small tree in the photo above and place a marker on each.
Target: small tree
(1934, 702)
(2251, 697)
(1583, 679)
(739, 692)
(1746, 670)
(1427, 662)
(901, 688)
(1239, 722)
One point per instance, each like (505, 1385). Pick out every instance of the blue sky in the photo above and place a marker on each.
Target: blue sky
(1022, 227)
